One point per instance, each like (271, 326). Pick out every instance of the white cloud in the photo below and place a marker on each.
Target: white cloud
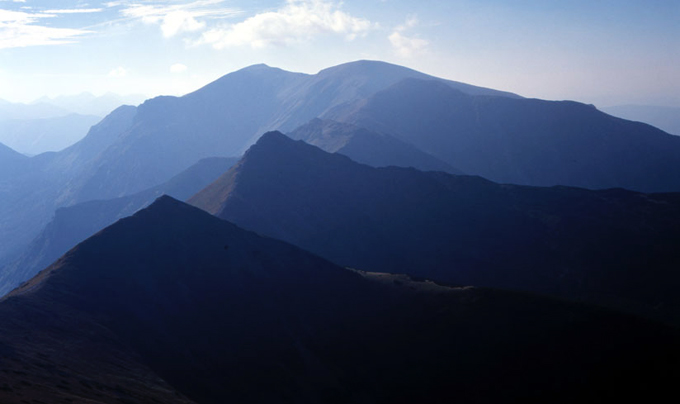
(74, 11)
(404, 45)
(22, 29)
(175, 18)
(118, 72)
(298, 20)
(178, 68)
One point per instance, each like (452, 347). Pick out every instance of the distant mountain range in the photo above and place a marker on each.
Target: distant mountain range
(597, 246)
(664, 118)
(173, 305)
(89, 104)
(35, 136)
(52, 124)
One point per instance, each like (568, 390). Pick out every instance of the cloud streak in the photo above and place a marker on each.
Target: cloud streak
(22, 29)
(298, 20)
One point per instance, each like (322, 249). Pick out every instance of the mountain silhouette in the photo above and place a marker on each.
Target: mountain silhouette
(522, 141)
(367, 147)
(174, 305)
(598, 246)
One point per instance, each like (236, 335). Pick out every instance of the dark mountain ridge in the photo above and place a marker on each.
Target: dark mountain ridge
(173, 302)
(613, 247)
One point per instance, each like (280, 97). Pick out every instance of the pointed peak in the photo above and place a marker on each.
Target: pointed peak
(273, 136)
(164, 205)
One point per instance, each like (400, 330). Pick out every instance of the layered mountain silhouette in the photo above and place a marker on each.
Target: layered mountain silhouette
(479, 131)
(367, 147)
(613, 247)
(174, 305)
(522, 141)
(73, 224)
(225, 117)
(136, 148)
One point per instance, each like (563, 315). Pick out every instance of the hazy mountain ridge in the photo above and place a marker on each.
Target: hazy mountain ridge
(221, 314)
(522, 141)
(599, 246)
(89, 104)
(35, 136)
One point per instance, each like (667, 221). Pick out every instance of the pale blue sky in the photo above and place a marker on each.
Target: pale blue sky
(598, 51)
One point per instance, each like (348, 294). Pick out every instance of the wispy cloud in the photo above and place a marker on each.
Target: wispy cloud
(75, 11)
(22, 29)
(175, 18)
(297, 20)
(405, 45)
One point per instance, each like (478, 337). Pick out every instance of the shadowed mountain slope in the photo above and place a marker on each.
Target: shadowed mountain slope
(73, 224)
(173, 299)
(367, 147)
(615, 247)
(522, 141)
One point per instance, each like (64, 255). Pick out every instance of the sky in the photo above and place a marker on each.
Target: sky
(604, 52)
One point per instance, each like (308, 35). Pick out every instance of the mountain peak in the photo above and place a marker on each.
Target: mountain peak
(272, 137)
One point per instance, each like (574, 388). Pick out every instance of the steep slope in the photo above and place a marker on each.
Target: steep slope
(523, 141)
(614, 247)
(73, 224)
(173, 299)
(367, 147)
